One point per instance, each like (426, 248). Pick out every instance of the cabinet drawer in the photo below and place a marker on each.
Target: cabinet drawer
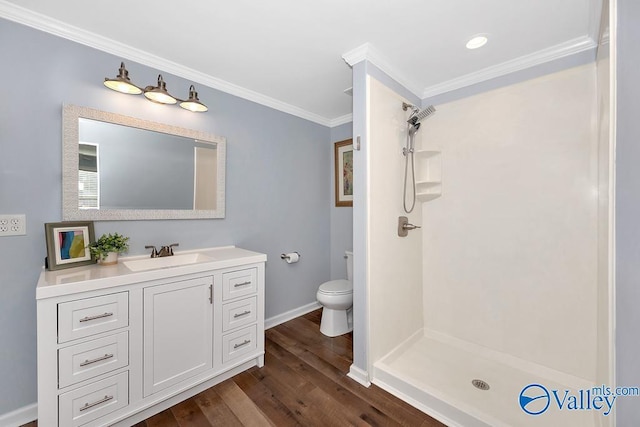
(238, 313)
(89, 316)
(239, 283)
(90, 359)
(91, 402)
(237, 344)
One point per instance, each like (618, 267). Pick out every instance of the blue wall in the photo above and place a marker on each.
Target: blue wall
(341, 217)
(628, 209)
(277, 178)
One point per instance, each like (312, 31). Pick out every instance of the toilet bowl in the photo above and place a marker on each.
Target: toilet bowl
(336, 298)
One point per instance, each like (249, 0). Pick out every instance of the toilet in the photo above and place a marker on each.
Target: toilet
(336, 298)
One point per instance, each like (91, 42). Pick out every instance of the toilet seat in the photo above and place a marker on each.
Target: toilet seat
(336, 287)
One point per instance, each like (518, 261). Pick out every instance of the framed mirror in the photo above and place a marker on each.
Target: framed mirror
(116, 167)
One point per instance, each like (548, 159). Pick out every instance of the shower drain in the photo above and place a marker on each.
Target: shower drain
(481, 385)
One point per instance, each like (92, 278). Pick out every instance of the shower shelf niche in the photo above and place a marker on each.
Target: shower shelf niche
(428, 174)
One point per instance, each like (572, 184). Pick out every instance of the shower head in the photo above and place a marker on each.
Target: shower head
(413, 128)
(419, 115)
(406, 107)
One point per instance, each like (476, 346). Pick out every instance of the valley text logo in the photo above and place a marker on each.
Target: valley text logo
(535, 399)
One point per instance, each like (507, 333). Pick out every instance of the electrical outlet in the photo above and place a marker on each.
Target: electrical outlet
(13, 225)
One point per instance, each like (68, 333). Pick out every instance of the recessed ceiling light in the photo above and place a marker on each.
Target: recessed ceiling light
(477, 41)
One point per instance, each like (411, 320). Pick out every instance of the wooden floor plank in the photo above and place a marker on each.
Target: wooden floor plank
(162, 419)
(404, 413)
(303, 383)
(347, 399)
(189, 414)
(215, 410)
(307, 333)
(240, 404)
(266, 400)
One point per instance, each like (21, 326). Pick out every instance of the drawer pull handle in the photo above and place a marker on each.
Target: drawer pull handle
(99, 359)
(91, 405)
(241, 344)
(235, 316)
(237, 285)
(99, 316)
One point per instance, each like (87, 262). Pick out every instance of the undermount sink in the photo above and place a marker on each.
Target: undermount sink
(165, 262)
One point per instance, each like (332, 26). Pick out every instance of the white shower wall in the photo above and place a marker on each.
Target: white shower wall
(393, 263)
(510, 251)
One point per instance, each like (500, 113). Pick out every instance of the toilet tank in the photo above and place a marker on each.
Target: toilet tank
(349, 256)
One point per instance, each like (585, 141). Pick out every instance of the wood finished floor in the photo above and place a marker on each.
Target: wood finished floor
(303, 383)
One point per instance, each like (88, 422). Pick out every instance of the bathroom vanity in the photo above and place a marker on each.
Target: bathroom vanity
(117, 344)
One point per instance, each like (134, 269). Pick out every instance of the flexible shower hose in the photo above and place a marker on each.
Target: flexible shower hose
(409, 151)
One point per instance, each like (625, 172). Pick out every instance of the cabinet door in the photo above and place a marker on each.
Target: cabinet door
(178, 332)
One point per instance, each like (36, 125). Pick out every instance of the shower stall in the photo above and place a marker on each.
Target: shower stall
(507, 283)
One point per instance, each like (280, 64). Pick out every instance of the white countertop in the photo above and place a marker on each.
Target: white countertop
(91, 277)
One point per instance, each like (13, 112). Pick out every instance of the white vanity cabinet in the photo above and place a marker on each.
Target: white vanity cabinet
(178, 332)
(116, 346)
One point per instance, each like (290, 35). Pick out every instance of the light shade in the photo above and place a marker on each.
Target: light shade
(193, 103)
(122, 83)
(159, 93)
(477, 41)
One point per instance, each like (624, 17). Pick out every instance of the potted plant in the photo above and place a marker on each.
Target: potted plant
(107, 248)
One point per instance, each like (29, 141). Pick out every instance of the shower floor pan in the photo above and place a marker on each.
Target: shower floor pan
(436, 377)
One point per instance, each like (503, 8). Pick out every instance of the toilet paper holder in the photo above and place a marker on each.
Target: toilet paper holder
(288, 256)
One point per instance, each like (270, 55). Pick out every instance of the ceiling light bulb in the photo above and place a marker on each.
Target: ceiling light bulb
(159, 93)
(193, 103)
(477, 41)
(122, 83)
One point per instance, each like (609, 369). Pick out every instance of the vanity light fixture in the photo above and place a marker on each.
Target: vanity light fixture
(157, 94)
(193, 103)
(122, 83)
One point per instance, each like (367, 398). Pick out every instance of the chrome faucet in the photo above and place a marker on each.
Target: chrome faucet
(164, 250)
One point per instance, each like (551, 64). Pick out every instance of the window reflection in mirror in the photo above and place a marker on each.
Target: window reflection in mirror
(88, 177)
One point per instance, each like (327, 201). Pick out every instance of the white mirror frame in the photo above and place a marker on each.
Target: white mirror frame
(70, 129)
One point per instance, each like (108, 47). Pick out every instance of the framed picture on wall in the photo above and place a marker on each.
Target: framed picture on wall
(67, 244)
(344, 172)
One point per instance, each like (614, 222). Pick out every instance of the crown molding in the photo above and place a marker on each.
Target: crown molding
(347, 118)
(369, 53)
(364, 52)
(559, 51)
(356, 55)
(58, 28)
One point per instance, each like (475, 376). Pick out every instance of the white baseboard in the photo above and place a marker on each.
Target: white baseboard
(359, 375)
(20, 416)
(291, 314)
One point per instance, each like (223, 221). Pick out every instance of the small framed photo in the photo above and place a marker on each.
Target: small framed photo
(344, 172)
(67, 244)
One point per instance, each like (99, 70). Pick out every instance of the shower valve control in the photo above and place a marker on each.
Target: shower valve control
(404, 226)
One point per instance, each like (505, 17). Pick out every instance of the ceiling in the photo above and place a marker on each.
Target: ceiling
(288, 54)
